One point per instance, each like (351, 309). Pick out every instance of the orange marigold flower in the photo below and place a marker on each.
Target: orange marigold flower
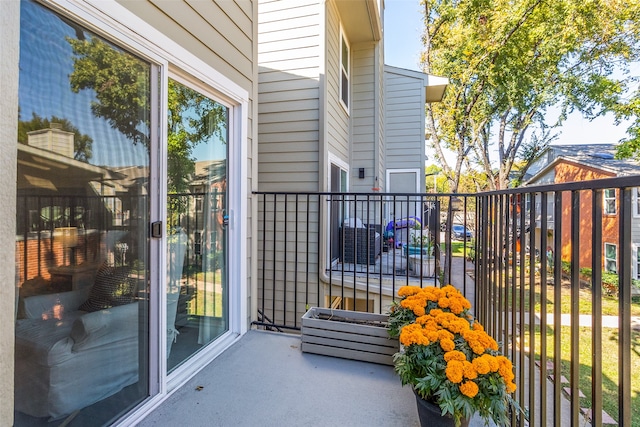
(454, 355)
(455, 306)
(447, 344)
(481, 365)
(412, 334)
(405, 291)
(493, 363)
(454, 371)
(469, 370)
(443, 333)
(477, 326)
(511, 387)
(469, 389)
(443, 302)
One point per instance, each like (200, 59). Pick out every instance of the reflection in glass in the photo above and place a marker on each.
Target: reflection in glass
(81, 336)
(197, 307)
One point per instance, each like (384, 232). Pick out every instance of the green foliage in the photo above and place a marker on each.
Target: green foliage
(121, 83)
(82, 143)
(447, 357)
(508, 62)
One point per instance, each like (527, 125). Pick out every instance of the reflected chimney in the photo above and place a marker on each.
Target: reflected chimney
(53, 139)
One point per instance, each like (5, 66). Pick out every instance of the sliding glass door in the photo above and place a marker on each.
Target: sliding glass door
(197, 296)
(82, 324)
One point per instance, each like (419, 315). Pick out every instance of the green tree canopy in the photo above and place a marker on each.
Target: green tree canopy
(121, 83)
(510, 61)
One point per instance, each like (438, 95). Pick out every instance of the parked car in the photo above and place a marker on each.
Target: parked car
(460, 232)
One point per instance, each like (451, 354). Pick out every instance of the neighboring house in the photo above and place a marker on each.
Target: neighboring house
(573, 163)
(332, 116)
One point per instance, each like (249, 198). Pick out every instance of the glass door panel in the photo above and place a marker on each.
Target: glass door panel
(197, 297)
(81, 335)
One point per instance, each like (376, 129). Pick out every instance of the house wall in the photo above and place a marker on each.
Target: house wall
(405, 120)
(9, 52)
(364, 109)
(571, 172)
(289, 48)
(337, 118)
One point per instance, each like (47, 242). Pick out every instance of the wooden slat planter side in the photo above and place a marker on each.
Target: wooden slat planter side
(349, 337)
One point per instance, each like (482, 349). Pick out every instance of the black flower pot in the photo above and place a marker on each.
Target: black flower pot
(430, 415)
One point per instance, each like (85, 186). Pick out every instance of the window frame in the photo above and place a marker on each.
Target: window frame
(607, 200)
(344, 42)
(607, 259)
(636, 262)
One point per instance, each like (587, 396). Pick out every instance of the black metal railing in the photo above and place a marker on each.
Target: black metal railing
(550, 270)
(354, 250)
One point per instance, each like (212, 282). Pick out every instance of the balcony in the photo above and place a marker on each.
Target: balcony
(557, 296)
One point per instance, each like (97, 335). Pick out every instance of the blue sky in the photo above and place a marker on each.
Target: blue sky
(403, 29)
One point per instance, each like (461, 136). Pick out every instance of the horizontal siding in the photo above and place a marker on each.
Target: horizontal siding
(288, 87)
(337, 117)
(207, 30)
(363, 114)
(404, 121)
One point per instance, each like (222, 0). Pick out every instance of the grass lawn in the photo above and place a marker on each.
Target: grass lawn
(207, 300)
(609, 304)
(457, 248)
(609, 360)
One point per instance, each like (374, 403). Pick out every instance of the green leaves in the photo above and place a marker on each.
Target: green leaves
(509, 61)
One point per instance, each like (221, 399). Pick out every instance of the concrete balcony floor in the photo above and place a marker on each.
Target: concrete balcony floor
(265, 380)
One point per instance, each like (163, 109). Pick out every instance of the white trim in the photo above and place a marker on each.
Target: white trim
(392, 171)
(604, 255)
(605, 199)
(635, 252)
(343, 36)
(335, 160)
(147, 35)
(635, 202)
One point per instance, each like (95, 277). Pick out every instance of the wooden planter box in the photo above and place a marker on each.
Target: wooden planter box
(348, 334)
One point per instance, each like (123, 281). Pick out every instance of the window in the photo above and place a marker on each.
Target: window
(637, 263)
(636, 201)
(610, 258)
(610, 201)
(345, 71)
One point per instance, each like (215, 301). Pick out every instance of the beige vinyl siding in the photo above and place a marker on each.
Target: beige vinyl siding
(363, 116)
(289, 59)
(288, 87)
(381, 183)
(404, 119)
(218, 32)
(337, 118)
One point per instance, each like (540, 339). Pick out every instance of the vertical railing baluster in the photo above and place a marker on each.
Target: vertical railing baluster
(596, 298)
(557, 311)
(543, 308)
(531, 311)
(575, 308)
(624, 308)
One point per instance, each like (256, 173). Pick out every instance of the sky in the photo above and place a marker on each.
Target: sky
(402, 33)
